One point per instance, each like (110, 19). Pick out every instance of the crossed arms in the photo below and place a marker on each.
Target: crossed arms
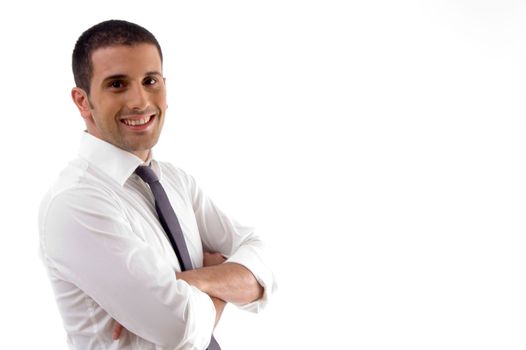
(223, 282)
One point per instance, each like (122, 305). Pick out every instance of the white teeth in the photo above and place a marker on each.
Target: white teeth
(137, 122)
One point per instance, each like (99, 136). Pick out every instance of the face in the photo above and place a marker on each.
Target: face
(127, 101)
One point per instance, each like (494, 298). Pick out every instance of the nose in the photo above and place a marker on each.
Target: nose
(137, 98)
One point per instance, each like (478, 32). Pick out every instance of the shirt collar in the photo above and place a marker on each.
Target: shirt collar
(115, 162)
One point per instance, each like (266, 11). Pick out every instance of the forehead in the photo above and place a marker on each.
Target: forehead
(125, 60)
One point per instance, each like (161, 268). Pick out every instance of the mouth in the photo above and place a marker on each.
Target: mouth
(139, 122)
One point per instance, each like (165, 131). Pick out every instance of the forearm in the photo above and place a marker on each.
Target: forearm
(230, 282)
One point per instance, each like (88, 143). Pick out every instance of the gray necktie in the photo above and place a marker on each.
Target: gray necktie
(170, 225)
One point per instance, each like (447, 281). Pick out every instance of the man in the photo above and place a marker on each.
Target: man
(103, 232)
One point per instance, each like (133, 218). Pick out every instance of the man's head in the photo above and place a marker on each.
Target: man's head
(120, 89)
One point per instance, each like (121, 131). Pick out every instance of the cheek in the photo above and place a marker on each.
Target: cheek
(160, 99)
(110, 109)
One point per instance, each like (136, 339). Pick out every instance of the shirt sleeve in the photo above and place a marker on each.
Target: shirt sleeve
(87, 239)
(239, 243)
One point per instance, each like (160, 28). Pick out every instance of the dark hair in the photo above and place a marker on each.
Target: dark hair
(107, 33)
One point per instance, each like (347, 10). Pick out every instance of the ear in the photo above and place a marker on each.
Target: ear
(80, 98)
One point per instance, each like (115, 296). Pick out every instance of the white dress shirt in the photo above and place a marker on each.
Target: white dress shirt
(108, 257)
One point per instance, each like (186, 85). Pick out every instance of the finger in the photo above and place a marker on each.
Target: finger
(117, 330)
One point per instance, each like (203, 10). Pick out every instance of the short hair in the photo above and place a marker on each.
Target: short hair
(105, 34)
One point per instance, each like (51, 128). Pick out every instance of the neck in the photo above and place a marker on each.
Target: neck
(144, 155)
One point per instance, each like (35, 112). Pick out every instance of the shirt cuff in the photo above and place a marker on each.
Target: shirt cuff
(251, 258)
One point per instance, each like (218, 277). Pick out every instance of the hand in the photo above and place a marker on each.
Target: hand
(117, 330)
(212, 258)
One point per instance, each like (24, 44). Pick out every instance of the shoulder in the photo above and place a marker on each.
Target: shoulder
(78, 182)
(76, 189)
(72, 210)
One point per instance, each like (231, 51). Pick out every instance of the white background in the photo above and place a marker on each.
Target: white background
(379, 146)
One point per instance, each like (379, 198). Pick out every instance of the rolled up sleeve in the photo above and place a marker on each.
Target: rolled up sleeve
(250, 255)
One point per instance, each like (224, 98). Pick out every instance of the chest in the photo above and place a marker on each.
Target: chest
(138, 204)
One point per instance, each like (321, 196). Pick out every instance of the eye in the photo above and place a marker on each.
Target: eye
(116, 84)
(150, 81)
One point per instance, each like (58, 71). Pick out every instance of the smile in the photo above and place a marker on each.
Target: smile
(137, 122)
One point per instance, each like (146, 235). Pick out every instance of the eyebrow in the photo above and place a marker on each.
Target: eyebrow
(154, 72)
(124, 76)
(115, 77)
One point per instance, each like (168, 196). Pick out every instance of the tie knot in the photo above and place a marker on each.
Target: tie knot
(146, 174)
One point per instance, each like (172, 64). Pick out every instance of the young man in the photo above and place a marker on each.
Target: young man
(106, 241)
